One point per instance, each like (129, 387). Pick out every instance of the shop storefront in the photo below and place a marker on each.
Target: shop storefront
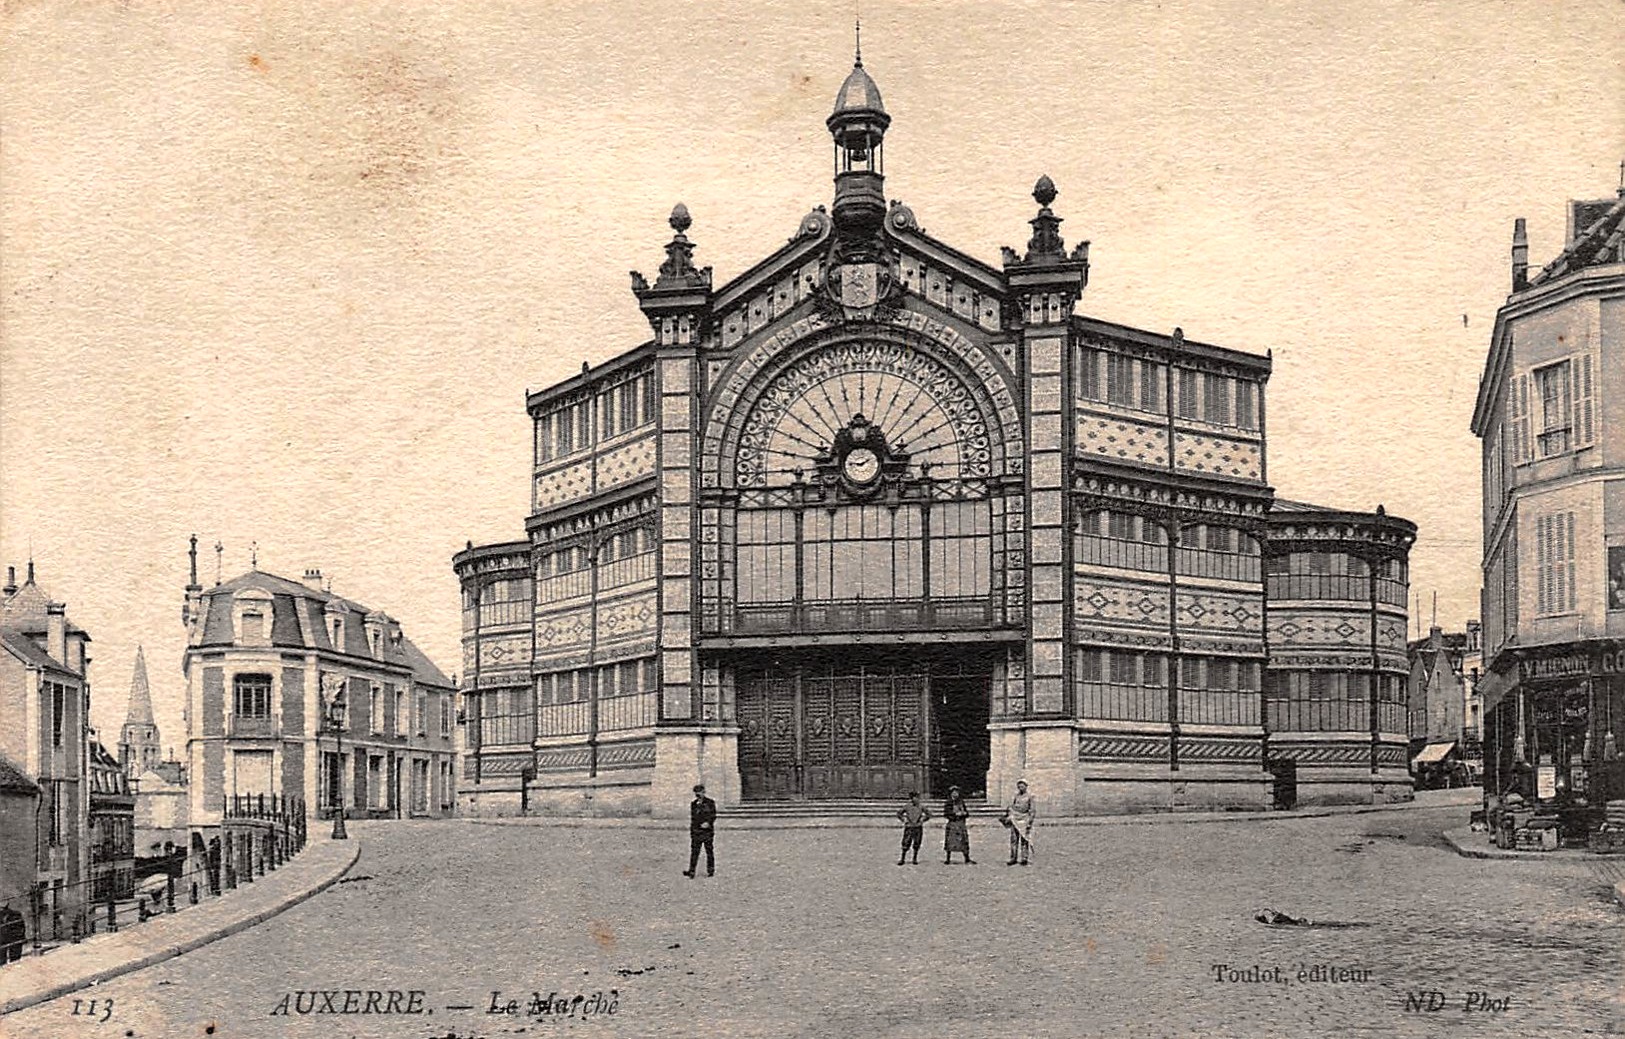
(1554, 729)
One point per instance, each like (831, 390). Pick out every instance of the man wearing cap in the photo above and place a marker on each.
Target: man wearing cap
(702, 821)
(1020, 818)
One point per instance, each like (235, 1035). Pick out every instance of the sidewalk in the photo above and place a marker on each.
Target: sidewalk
(1469, 796)
(35, 979)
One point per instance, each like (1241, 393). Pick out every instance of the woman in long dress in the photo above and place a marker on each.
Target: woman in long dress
(955, 834)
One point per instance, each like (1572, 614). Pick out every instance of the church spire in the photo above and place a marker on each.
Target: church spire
(138, 746)
(140, 712)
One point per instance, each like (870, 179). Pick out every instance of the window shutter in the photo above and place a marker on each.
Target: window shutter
(1571, 600)
(1518, 418)
(1584, 421)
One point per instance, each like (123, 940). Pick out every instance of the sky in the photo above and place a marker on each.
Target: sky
(281, 274)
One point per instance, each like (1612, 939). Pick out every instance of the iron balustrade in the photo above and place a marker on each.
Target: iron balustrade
(963, 613)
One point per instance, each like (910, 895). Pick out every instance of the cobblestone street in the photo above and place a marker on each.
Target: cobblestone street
(1115, 930)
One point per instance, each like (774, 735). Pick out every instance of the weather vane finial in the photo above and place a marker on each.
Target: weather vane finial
(857, 35)
(253, 555)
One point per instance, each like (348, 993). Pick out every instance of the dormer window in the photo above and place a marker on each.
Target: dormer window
(251, 615)
(377, 640)
(335, 632)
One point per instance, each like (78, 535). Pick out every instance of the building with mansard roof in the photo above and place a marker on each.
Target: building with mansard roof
(1551, 420)
(876, 516)
(293, 691)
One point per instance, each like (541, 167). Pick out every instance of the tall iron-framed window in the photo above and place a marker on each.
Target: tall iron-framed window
(1554, 396)
(1218, 551)
(627, 557)
(767, 555)
(1115, 538)
(375, 707)
(1318, 701)
(961, 549)
(1393, 580)
(1215, 690)
(563, 574)
(1391, 706)
(506, 601)
(1554, 564)
(251, 696)
(1328, 575)
(865, 552)
(505, 717)
(1122, 684)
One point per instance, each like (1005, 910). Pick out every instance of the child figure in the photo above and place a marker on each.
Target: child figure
(913, 816)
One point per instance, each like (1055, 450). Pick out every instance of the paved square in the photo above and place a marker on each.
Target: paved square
(1116, 930)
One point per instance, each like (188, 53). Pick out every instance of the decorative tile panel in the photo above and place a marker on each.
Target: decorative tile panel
(1093, 747)
(507, 651)
(563, 485)
(1217, 455)
(1234, 751)
(627, 462)
(1221, 611)
(1294, 628)
(1123, 440)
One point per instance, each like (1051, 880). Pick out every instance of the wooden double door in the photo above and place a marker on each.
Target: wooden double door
(855, 731)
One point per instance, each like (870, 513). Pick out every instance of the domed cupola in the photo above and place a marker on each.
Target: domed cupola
(858, 125)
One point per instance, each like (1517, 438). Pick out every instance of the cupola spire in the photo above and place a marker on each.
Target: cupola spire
(858, 125)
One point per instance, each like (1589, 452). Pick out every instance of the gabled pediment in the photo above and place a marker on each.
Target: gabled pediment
(796, 279)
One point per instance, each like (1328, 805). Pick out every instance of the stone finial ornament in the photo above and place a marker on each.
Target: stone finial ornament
(1044, 191)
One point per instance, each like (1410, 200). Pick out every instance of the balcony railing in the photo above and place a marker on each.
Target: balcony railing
(955, 614)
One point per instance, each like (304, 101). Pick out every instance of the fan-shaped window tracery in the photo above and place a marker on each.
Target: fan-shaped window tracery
(919, 406)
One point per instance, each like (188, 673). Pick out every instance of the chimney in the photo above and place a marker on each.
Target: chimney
(313, 579)
(11, 581)
(1520, 256)
(1435, 637)
(56, 628)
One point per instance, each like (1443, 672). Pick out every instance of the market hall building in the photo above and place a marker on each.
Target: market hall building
(875, 516)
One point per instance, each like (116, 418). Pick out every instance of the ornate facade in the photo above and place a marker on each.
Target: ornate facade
(876, 516)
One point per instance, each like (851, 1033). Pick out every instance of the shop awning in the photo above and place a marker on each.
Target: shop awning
(1492, 686)
(1433, 752)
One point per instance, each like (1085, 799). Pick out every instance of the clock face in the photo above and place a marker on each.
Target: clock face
(861, 466)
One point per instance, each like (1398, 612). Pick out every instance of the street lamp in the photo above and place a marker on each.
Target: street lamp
(335, 724)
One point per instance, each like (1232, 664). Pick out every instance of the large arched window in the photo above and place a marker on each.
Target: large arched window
(914, 402)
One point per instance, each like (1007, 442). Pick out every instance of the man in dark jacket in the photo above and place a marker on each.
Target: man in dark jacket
(702, 821)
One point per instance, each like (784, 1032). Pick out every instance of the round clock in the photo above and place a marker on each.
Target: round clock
(861, 465)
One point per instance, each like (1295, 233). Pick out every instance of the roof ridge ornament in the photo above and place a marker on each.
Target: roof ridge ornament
(678, 271)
